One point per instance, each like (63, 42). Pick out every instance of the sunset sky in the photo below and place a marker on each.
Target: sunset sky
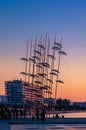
(22, 19)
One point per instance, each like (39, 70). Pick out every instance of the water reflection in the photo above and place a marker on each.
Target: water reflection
(75, 114)
(48, 127)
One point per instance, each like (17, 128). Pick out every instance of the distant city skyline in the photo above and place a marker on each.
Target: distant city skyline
(21, 20)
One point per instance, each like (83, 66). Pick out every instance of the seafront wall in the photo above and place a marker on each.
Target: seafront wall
(49, 121)
(4, 125)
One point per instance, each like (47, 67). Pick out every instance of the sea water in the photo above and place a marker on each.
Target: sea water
(49, 127)
(74, 114)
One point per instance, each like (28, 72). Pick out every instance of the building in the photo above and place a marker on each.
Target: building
(3, 99)
(19, 92)
(49, 100)
(13, 91)
(80, 104)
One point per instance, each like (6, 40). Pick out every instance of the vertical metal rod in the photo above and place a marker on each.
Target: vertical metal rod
(48, 48)
(58, 70)
(26, 61)
(33, 70)
(57, 76)
(30, 62)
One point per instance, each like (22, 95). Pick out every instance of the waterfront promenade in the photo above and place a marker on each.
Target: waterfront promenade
(46, 121)
(49, 121)
(4, 125)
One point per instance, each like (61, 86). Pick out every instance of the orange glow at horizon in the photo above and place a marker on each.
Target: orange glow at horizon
(74, 82)
(73, 74)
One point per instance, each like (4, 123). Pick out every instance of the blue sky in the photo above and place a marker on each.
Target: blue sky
(26, 18)
(22, 19)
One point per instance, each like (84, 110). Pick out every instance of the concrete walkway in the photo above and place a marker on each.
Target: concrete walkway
(49, 121)
(4, 125)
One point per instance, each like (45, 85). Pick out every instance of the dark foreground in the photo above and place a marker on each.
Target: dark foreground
(48, 121)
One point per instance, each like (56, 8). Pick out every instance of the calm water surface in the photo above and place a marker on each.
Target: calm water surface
(70, 115)
(48, 127)
(74, 115)
(54, 126)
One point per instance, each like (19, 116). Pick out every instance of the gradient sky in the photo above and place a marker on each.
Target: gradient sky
(22, 19)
